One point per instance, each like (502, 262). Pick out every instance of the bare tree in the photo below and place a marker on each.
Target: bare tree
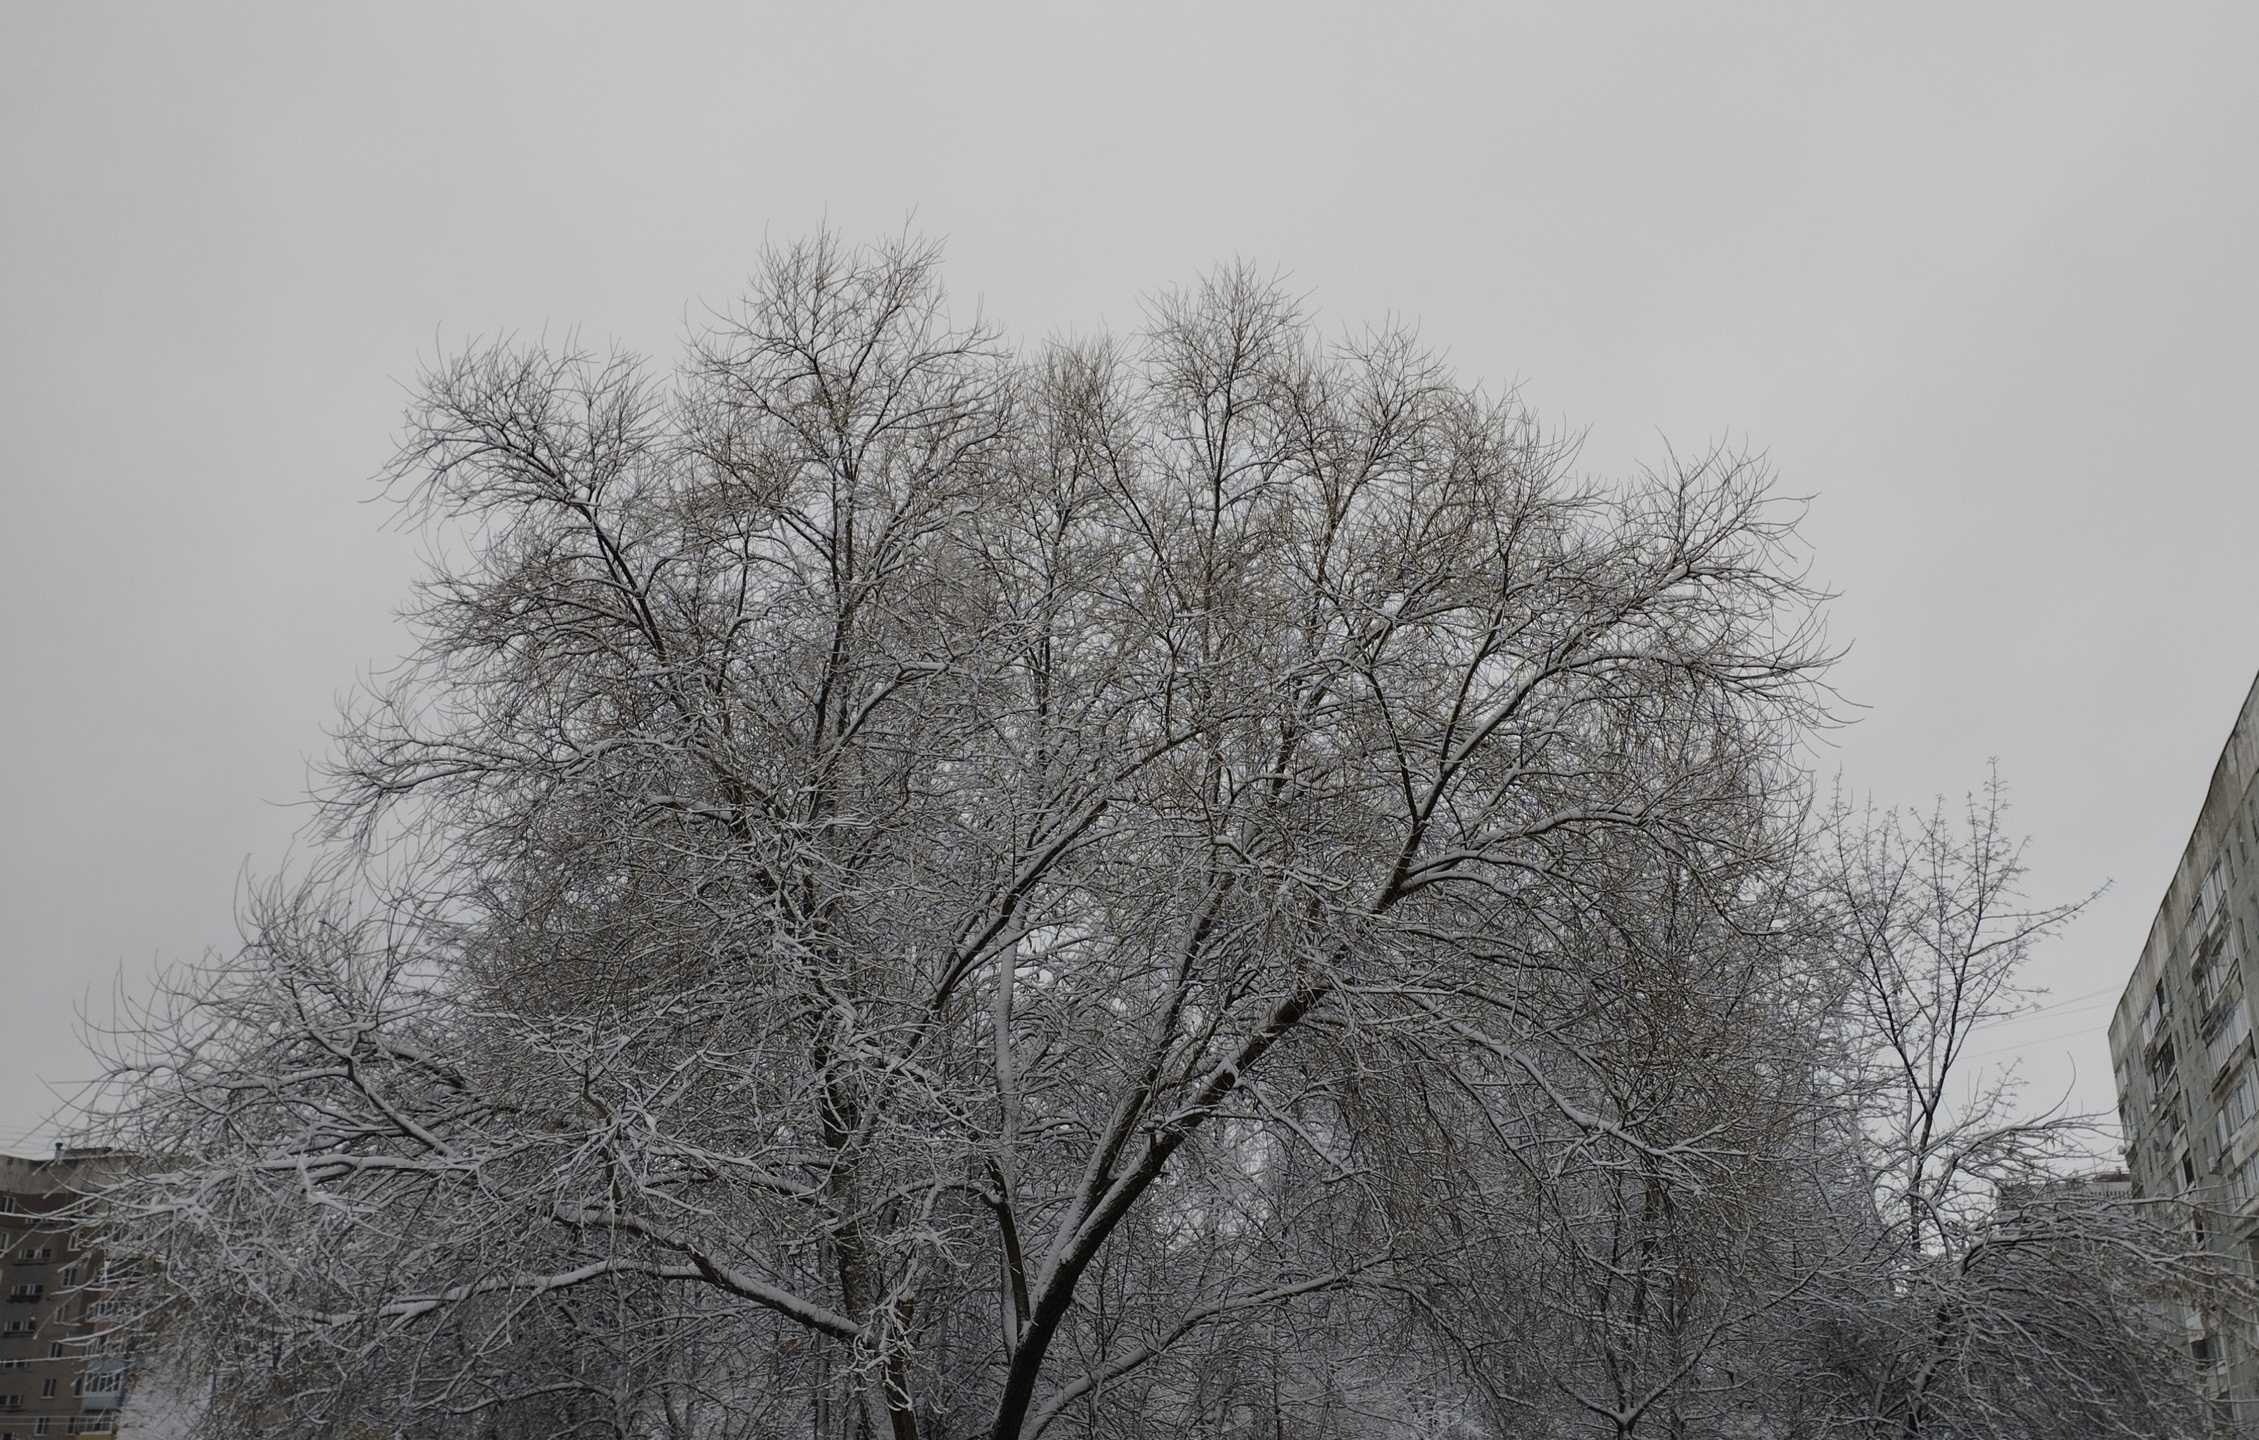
(1993, 1296)
(929, 861)
(1667, 1259)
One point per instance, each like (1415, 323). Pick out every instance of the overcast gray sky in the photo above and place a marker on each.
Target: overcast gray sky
(1983, 281)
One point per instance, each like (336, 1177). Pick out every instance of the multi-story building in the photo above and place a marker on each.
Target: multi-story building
(62, 1370)
(2181, 1044)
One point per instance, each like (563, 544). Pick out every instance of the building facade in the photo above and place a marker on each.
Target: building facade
(62, 1370)
(2181, 1046)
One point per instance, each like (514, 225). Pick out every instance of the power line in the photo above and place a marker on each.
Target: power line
(2028, 1044)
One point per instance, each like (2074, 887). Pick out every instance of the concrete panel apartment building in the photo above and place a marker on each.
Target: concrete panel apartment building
(2181, 1046)
(61, 1373)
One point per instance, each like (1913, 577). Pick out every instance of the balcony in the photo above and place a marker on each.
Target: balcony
(2229, 1032)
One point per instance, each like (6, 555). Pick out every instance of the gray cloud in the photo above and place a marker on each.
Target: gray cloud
(1981, 285)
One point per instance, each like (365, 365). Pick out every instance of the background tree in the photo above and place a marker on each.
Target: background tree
(1995, 1297)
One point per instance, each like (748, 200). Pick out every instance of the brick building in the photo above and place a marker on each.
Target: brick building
(61, 1372)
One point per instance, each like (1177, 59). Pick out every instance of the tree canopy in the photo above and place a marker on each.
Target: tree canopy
(1207, 882)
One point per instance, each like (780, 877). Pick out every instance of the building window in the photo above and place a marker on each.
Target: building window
(2237, 1105)
(2243, 1181)
(2225, 1034)
(2154, 1013)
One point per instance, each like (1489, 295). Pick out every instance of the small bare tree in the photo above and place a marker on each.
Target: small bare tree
(1991, 1296)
